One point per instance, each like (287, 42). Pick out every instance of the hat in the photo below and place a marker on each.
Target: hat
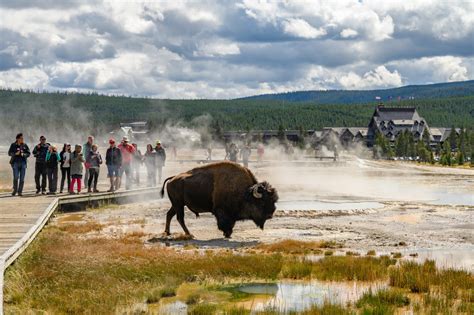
(125, 139)
(111, 141)
(158, 142)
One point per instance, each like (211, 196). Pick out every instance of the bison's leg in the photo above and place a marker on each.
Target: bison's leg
(180, 216)
(169, 215)
(224, 223)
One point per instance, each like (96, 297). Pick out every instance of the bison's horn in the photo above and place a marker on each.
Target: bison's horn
(255, 192)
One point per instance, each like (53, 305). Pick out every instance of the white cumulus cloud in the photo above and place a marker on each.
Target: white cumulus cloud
(301, 28)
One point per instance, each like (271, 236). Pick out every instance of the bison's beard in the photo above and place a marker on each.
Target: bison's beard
(260, 223)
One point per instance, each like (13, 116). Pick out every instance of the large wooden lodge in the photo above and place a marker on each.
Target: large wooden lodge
(389, 121)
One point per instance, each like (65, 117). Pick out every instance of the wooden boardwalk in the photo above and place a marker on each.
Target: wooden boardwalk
(21, 219)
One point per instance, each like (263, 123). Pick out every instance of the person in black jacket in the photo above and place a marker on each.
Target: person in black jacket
(39, 152)
(113, 160)
(52, 159)
(18, 153)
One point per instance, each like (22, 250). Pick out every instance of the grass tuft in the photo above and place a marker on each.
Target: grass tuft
(297, 247)
(340, 268)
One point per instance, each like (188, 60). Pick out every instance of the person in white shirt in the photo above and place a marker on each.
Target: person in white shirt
(65, 163)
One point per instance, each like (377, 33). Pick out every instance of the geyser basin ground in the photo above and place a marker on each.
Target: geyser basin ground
(385, 208)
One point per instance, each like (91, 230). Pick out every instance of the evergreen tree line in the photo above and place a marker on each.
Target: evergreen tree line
(457, 149)
(99, 113)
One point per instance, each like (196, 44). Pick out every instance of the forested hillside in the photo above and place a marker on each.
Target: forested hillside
(105, 112)
(431, 91)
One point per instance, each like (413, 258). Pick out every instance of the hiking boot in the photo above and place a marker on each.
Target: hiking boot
(20, 188)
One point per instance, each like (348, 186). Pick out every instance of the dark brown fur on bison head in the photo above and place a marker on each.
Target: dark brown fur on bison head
(262, 197)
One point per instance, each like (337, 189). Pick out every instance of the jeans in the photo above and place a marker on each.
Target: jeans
(53, 179)
(86, 177)
(65, 175)
(19, 171)
(93, 176)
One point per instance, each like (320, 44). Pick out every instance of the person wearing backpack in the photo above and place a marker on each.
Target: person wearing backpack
(52, 160)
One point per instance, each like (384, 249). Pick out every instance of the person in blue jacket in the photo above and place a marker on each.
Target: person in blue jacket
(18, 153)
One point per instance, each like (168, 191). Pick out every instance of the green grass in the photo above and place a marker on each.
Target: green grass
(382, 302)
(203, 309)
(297, 269)
(340, 268)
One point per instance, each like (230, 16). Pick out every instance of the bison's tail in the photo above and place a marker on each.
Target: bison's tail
(162, 192)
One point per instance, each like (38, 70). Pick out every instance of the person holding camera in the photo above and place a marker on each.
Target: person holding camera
(18, 153)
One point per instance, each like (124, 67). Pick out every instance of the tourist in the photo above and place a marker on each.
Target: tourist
(65, 164)
(18, 153)
(174, 152)
(245, 155)
(233, 151)
(160, 159)
(87, 150)
(127, 151)
(113, 160)
(260, 152)
(39, 152)
(95, 160)
(136, 163)
(209, 154)
(77, 159)
(150, 162)
(52, 160)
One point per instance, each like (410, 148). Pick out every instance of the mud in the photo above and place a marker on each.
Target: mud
(420, 211)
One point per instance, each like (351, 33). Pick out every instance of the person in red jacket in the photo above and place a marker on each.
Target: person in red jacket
(128, 152)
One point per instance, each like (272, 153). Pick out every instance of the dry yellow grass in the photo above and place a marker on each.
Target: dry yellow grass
(297, 247)
(82, 228)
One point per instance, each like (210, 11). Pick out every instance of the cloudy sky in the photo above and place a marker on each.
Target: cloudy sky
(227, 49)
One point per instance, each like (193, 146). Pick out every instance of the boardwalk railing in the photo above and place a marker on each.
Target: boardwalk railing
(75, 202)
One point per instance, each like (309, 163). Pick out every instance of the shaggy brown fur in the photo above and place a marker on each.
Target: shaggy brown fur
(224, 189)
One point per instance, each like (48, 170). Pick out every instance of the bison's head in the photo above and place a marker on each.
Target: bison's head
(262, 198)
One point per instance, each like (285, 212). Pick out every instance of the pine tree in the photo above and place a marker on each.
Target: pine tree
(281, 134)
(453, 139)
(301, 137)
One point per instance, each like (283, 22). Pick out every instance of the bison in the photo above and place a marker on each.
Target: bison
(226, 189)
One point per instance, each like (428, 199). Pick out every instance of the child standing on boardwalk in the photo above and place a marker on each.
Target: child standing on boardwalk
(94, 160)
(77, 160)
